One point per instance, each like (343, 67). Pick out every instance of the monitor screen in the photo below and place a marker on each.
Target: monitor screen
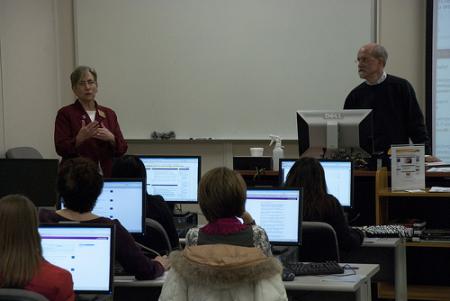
(75, 248)
(284, 168)
(335, 134)
(338, 175)
(175, 178)
(123, 199)
(34, 178)
(278, 211)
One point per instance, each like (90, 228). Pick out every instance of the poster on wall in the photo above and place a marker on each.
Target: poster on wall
(408, 167)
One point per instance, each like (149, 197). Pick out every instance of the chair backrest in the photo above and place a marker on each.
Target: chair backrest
(10, 294)
(155, 227)
(23, 152)
(319, 243)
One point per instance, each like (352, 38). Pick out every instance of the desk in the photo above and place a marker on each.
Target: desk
(357, 284)
(374, 250)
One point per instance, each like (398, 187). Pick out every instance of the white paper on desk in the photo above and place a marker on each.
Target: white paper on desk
(353, 278)
(439, 169)
(408, 167)
(124, 278)
(371, 239)
(439, 189)
(439, 163)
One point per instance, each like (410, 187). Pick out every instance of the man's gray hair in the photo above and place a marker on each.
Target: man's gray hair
(379, 52)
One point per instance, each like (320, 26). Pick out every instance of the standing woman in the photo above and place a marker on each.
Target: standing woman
(21, 263)
(86, 129)
(318, 205)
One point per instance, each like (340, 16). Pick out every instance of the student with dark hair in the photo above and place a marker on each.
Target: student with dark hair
(319, 206)
(79, 184)
(225, 259)
(21, 263)
(130, 166)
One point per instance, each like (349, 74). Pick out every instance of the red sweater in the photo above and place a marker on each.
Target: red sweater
(67, 126)
(52, 282)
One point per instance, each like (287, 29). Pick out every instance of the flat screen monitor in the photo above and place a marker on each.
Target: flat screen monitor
(338, 175)
(85, 250)
(34, 178)
(175, 178)
(278, 211)
(335, 133)
(122, 199)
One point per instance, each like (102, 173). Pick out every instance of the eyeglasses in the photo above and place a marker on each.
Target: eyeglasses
(89, 83)
(364, 60)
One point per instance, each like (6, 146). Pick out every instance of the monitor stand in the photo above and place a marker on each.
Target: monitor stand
(184, 221)
(279, 250)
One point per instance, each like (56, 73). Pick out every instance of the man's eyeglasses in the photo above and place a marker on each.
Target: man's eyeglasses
(89, 83)
(364, 60)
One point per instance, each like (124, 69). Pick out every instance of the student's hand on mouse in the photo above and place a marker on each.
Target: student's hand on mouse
(432, 159)
(164, 261)
(247, 218)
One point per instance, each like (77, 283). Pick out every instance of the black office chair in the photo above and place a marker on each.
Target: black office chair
(156, 240)
(319, 243)
(9, 294)
(23, 152)
(154, 226)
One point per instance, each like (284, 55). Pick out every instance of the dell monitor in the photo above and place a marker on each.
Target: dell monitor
(278, 211)
(34, 178)
(338, 176)
(85, 250)
(334, 134)
(175, 178)
(124, 200)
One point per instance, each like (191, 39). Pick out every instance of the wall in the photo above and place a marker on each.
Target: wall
(29, 73)
(240, 67)
(405, 41)
(34, 85)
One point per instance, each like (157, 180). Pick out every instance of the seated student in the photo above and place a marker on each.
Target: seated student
(225, 259)
(318, 205)
(79, 184)
(156, 208)
(21, 263)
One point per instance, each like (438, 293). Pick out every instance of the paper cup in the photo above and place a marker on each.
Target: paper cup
(256, 151)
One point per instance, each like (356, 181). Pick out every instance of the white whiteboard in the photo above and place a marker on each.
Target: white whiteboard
(225, 69)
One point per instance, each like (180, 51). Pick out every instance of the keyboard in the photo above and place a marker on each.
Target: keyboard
(386, 231)
(315, 268)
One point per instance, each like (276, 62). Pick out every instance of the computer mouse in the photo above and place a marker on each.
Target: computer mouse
(287, 275)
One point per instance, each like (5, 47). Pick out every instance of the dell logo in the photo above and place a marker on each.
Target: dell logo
(332, 116)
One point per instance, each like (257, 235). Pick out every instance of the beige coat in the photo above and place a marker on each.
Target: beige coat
(223, 272)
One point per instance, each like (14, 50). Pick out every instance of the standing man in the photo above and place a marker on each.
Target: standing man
(396, 113)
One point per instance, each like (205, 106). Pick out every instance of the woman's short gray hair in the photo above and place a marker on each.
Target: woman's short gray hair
(76, 75)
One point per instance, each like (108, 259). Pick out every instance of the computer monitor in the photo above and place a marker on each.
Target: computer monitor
(284, 168)
(332, 134)
(122, 199)
(338, 175)
(278, 211)
(175, 178)
(85, 250)
(34, 178)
